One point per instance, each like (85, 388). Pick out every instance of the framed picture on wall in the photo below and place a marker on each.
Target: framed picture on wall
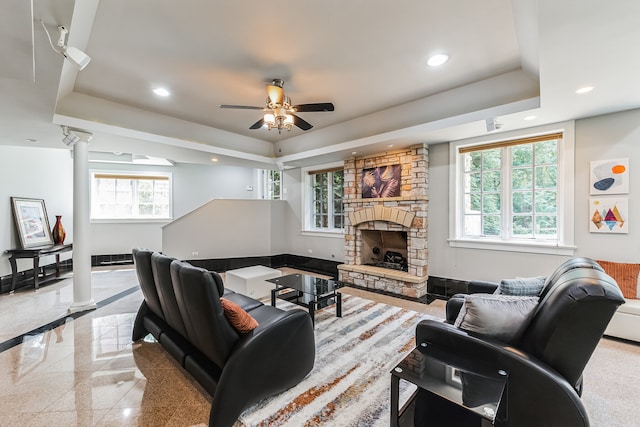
(383, 181)
(609, 215)
(609, 176)
(32, 223)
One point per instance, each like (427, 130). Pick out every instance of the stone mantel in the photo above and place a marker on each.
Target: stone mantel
(389, 199)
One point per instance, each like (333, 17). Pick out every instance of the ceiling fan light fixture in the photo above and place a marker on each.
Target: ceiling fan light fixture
(288, 121)
(269, 120)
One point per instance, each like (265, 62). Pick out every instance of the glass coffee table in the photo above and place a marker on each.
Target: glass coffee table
(307, 291)
(476, 389)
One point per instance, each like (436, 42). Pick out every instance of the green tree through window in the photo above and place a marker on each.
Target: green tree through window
(327, 191)
(510, 190)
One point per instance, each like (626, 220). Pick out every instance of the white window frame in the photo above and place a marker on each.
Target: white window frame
(146, 219)
(564, 244)
(268, 181)
(307, 201)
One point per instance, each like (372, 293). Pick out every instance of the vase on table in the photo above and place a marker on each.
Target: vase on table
(58, 232)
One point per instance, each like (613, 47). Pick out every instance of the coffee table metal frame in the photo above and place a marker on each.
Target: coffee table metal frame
(307, 291)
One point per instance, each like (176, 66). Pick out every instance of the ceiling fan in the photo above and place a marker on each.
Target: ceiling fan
(279, 113)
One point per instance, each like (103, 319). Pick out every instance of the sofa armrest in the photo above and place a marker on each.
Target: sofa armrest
(481, 287)
(454, 304)
(536, 394)
(275, 356)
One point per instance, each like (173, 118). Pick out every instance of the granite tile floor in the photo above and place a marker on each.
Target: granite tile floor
(85, 370)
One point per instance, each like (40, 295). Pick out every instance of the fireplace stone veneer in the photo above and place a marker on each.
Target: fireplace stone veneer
(406, 213)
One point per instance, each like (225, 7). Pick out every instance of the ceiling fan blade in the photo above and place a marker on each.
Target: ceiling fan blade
(320, 106)
(258, 124)
(275, 94)
(302, 124)
(242, 107)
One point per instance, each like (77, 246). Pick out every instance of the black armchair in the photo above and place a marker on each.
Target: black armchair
(475, 287)
(545, 366)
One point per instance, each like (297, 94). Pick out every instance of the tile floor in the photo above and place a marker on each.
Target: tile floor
(86, 371)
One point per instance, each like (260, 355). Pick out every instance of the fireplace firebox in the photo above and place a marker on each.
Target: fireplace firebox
(386, 249)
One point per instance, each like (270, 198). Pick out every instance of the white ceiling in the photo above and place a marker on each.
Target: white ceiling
(508, 60)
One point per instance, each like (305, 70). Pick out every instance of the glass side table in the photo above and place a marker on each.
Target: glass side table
(479, 390)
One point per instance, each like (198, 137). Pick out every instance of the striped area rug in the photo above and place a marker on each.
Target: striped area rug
(350, 382)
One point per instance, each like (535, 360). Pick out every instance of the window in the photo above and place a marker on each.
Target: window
(325, 190)
(130, 196)
(517, 193)
(272, 180)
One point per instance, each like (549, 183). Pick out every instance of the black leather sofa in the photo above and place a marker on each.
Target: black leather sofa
(182, 310)
(544, 366)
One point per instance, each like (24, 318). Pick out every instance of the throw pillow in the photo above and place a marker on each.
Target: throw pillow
(502, 317)
(521, 286)
(627, 276)
(239, 319)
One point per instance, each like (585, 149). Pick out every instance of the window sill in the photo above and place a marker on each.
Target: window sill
(494, 245)
(336, 234)
(131, 220)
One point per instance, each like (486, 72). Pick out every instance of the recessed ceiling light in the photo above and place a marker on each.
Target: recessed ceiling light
(214, 159)
(585, 89)
(390, 145)
(160, 91)
(32, 140)
(353, 153)
(530, 118)
(438, 59)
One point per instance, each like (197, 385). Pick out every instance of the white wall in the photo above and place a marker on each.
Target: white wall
(329, 247)
(597, 138)
(39, 173)
(45, 173)
(225, 228)
(193, 186)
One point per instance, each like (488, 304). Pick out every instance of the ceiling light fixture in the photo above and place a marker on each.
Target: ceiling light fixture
(74, 55)
(160, 91)
(528, 118)
(585, 89)
(279, 118)
(214, 159)
(437, 60)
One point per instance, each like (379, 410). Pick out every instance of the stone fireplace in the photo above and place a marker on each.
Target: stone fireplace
(386, 237)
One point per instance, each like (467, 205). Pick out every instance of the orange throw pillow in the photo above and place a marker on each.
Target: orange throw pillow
(239, 319)
(626, 275)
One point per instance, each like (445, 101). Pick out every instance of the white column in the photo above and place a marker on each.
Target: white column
(81, 245)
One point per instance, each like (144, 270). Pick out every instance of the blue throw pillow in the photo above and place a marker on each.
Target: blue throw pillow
(521, 286)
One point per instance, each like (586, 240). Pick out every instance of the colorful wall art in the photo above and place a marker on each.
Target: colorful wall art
(383, 181)
(609, 176)
(609, 215)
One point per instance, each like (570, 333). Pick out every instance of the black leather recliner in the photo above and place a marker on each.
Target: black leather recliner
(455, 302)
(545, 366)
(182, 310)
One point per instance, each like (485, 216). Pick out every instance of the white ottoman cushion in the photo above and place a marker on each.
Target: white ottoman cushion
(251, 281)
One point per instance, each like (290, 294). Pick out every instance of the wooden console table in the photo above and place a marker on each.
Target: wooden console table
(35, 254)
